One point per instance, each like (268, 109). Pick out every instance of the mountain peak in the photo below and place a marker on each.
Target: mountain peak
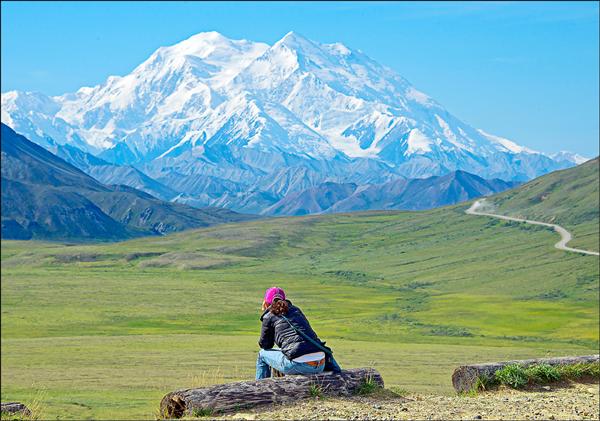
(200, 44)
(209, 35)
(292, 35)
(569, 157)
(209, 44)
(295, 41)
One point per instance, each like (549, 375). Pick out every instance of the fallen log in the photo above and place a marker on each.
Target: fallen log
(466, 377)
(14, 408)
(231, 397)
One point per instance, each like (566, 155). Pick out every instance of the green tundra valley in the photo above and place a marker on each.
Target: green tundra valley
(105, 330)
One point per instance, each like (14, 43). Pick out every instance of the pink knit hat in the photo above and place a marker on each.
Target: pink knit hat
(273, 293)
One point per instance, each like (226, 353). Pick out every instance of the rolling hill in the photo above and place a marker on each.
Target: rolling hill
(569, 198)
(44, 197)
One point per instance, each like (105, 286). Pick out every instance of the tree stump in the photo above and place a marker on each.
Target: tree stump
(15, 408)
(231, 397)
(465, 378)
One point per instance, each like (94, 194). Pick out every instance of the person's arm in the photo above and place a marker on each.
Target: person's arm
(267, 334)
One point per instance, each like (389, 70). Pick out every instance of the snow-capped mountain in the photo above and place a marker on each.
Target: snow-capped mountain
(570, 157)
(246, 117)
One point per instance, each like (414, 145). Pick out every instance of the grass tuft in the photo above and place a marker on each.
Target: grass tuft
(368, 386)
(315, 391)
(513, 375)
(518, 376)
(543, 373)
(202, 412)
(575, 371)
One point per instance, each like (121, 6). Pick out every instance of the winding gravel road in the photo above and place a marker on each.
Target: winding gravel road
(565, 236)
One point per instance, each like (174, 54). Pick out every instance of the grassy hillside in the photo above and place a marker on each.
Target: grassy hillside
(568, 198)
(106, 330)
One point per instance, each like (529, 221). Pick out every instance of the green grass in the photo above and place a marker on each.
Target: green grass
(518, 376)
(368, 386)
(202, 412)
(315, 391)
(106, 330)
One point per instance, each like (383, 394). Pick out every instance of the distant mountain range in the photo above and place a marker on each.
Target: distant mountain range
(413, 194)
(44, 197)
(294, 192)
(221, 122)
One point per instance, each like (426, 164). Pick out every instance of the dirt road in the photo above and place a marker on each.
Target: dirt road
(565, 236)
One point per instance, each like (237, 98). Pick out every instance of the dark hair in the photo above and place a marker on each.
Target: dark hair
(279, 307)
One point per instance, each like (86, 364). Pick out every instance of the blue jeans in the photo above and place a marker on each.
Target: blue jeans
(268, 358)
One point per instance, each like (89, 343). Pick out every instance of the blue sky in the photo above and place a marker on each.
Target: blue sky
(526, 71)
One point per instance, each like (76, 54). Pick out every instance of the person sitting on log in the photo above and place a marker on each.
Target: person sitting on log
(300, 349)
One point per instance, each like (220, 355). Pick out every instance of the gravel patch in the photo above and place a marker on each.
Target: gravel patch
(577, 401)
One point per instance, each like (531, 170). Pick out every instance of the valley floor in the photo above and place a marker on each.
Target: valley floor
(105, 330)
(577, 401)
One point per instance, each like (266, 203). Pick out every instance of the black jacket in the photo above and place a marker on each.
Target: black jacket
(277, 331)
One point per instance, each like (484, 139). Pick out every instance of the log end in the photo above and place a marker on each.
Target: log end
(172, 406)
(15, 408)
(465, 379)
